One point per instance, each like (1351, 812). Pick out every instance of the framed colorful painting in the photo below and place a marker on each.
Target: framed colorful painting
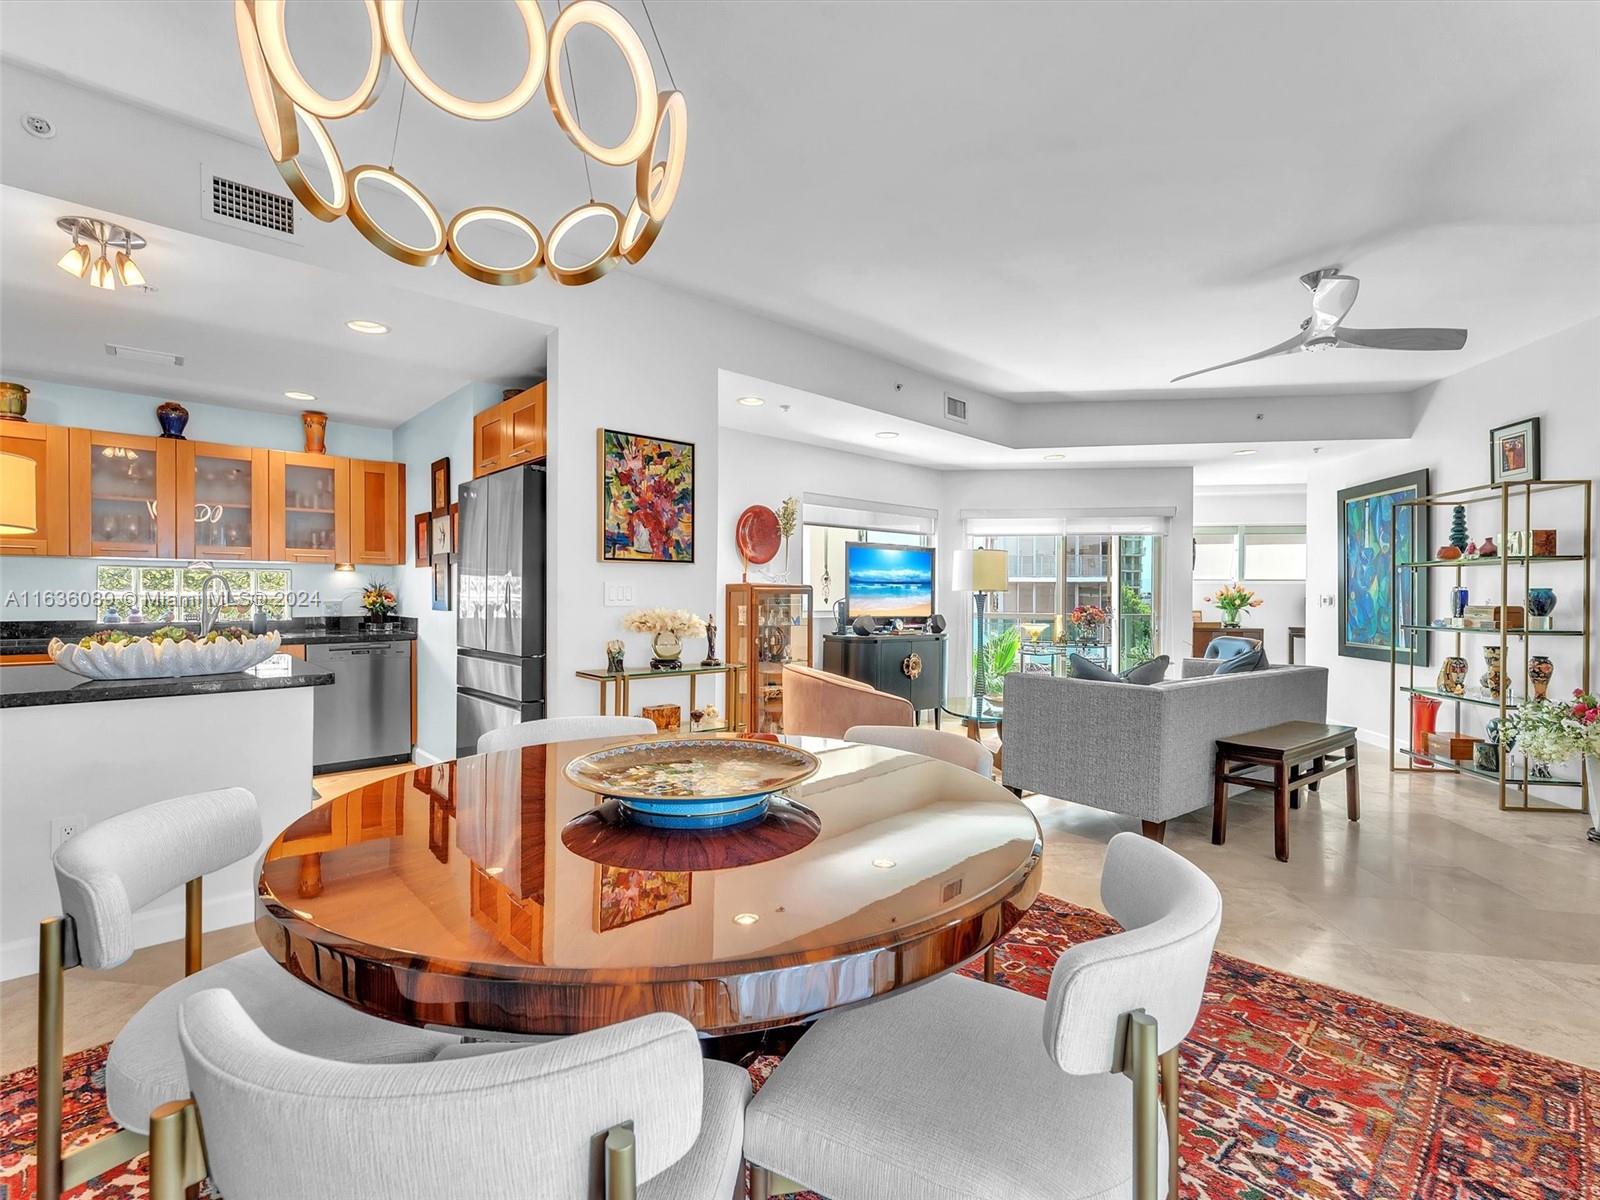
(623, 895)
(1514, 452)
(1377, 532)
(646, 498)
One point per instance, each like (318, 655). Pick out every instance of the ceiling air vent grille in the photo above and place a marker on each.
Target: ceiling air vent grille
(246, 206)
(954, 409)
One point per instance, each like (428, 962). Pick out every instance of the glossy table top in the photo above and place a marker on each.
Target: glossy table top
(970, 708)
(491, 893)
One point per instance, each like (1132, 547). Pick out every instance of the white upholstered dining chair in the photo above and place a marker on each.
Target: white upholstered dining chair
(930, 743)
(916, 1096)
(631, 1110)
(562, 729)
(105, 874)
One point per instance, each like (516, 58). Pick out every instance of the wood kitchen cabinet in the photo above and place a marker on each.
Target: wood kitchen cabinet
(510, 433)
(308, 507)
(121, 495)
(46, 446)
(221, 501)
(377, 513)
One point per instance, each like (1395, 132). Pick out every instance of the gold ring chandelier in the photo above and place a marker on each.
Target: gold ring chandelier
(283, 101)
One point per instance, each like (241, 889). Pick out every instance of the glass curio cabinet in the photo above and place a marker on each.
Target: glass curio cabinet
(769, 624)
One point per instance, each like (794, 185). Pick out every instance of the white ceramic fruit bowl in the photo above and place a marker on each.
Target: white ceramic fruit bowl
(144, 659)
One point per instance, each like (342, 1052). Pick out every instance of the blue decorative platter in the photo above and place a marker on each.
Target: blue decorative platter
(693, 782)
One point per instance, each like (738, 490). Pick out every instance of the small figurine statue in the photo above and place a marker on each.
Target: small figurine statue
(614, 649)
(711, 659)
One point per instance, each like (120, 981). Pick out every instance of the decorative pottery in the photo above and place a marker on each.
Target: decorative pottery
(1449, 553)
(13, 402)
(1540, 669)
(1453, 676)
(142, 658)
(1544, 543)
(1541, 604)
(667, 649)
(1424, 715)
(693, 782)
(1458, 527)
(1486, 756)
(1487, 548)
(758, 535)
(315, 425)
(614, 651)
(1458, 602)
(711, 659)
(666, 717)
(1493, 679)
(172, 417)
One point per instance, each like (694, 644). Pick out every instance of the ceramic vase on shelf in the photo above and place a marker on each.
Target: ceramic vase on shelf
(1453, 675)
(1494, 679)
(1540, 669)
(667, 651)
(1424, 716)
(1541, 604)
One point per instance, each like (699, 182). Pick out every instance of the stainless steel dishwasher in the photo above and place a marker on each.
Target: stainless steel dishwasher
(364, 717)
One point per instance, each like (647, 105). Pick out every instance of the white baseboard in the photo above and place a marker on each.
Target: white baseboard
(422, 758)
(1372, 737)
(151, 927)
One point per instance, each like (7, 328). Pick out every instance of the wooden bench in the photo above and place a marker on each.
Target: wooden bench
(1286, 749)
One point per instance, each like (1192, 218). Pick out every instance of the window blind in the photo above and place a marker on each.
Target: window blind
(999, 523)
(842, 513)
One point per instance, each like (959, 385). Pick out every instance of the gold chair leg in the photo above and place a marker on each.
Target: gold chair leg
(48, 1100)
(621, 1168)
(1140, 1063)
(1169, 1100)
(193, 950)
(177, 1150)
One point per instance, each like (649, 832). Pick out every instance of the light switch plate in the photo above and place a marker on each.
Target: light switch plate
(618, 595)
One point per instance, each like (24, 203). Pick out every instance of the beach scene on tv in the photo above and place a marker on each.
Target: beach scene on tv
(889, 581)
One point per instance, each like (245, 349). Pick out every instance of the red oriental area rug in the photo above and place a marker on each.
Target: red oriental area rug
(1291, 1090)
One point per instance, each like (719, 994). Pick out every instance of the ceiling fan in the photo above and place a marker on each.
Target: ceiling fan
(1332, 296)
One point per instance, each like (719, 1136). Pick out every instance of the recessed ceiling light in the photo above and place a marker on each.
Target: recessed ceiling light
(883, 864)
(1244, 451)
(746, 919)
(366, 326)
(1054, 457)
(886, 434)
(751, 401)
(306, 396)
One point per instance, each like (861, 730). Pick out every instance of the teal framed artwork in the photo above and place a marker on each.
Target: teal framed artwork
(1377, 533)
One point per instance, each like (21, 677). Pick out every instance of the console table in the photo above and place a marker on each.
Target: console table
(909, 665)
(619, 686)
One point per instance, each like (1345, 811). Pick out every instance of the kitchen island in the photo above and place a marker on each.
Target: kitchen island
(75, 751)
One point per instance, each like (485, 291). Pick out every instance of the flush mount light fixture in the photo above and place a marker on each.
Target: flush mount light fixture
(751, 401)
(304, 397)
(1055, 458)
(745, 919)
(886, 434)
(367, 326)
(89, 233)
(651, 152)
(883, 864)
(1242, 452)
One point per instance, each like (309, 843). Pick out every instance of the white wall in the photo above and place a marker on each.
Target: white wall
(1283, 601)
(1556, 379)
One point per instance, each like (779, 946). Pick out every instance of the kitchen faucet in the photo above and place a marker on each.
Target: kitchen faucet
(209, 609)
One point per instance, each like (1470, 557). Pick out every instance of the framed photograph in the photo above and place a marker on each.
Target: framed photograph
(441, 583)
(441, 543)
(646, 498)
(455, 528)
(422, 549)
(439, 486)
(624, 895)
(1376, 533)
(1514, 452)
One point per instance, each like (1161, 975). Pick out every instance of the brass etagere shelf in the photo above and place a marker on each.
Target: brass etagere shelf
(1507, 496)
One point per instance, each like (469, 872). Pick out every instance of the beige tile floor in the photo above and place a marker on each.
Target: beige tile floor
(1435, 902)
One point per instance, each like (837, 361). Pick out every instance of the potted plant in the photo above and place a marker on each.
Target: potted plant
(995, 661)
(380, 602)
(1549, 732)
(1231, 601)
(667, 628)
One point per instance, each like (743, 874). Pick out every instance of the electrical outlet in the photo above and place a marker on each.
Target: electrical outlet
(619, 595)
(62, 828)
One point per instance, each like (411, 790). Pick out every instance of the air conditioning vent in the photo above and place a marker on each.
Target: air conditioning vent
(955, 410)
(161, 358)
(230, 202)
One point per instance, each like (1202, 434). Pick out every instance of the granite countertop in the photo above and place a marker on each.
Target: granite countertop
(33, 637)
(26, 687)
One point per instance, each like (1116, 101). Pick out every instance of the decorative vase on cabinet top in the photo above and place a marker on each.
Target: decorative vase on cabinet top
(172, 417)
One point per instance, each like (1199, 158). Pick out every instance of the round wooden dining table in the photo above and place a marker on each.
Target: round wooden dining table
(491, 894)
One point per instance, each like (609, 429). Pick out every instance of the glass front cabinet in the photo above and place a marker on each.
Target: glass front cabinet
(221, 502)
(122, 495)
(309, 507)
(768, 625)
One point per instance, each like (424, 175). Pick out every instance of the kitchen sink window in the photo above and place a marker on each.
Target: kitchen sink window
(172, 593)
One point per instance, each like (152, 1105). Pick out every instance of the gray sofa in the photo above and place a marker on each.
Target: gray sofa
(1145, 751)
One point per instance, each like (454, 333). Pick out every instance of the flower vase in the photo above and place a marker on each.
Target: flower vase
(667, 652)
(1540, 669)
(1424, 719)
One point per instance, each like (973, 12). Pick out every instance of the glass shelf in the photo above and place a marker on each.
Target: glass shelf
(1468, 698)
(1515, 559)
(647, 673)
(1496, 632)
(1478, 772)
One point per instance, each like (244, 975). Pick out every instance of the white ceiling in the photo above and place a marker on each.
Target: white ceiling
(250, 326)
(1037, 200)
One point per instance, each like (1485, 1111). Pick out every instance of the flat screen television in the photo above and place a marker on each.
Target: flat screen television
(888, 581)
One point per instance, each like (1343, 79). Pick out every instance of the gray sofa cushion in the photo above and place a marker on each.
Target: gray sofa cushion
(1084, 668)
(1145, 673)
(1153, 671)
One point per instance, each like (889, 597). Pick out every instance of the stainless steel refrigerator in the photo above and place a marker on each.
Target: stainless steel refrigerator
(500, 625)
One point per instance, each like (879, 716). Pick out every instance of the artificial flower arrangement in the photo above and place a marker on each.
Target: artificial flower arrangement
(1551, 732)
(1232, 600)
(379, 600)
(1088, 614)
(678, 621)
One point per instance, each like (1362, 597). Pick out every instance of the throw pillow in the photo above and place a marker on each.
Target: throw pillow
(1083, 668)
(1150, 672)
(1250, 660)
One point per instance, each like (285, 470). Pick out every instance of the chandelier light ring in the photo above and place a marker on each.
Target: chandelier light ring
(655, 195)
(272, 106)
(392, 14)
(597, 266)
(485, 272)
(639, 230)
(323, 208)
(406, 252)
(274, 39)
(610, 22)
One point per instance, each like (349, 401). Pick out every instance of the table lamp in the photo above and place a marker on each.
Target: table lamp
(981, 572)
